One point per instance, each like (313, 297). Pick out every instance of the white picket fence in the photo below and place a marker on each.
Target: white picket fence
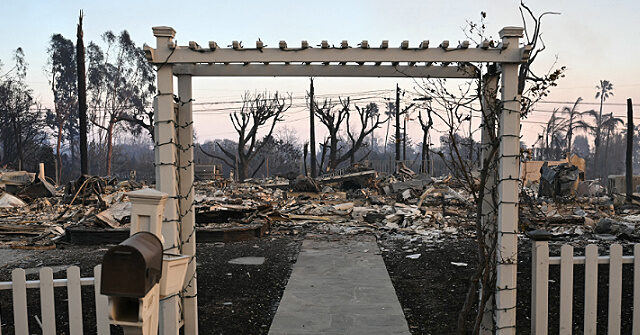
(47, 284)
(540, 287)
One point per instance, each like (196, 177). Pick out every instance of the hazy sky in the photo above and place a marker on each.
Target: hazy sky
(594, 39)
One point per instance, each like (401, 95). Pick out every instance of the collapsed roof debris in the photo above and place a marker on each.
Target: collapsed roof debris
(35, 214)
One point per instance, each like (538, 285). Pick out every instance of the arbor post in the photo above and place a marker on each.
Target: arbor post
(488, 125)
(508, 178)
(185, 204)
(166, 163)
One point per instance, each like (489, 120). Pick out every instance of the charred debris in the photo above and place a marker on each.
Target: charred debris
(37, 214)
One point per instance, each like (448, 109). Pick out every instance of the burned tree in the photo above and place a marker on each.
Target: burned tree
(257, 111)
(531, 86)
(82, 96)
(333, 116)
(605, 90)
(62, 74)
(553, 137)
(574, 122)
(21, 117)
(369, 118)
(121, 86)
(426, 125)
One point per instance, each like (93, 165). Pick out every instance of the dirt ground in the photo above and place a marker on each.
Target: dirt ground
(432, 290)
(232, 298)
(242, 299)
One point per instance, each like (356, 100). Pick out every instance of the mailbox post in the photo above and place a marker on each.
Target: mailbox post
(131, 274)
(147, 207)
(137, 273)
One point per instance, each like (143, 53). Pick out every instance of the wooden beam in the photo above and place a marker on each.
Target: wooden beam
(169, 52)
(299, 70)
(184, 54)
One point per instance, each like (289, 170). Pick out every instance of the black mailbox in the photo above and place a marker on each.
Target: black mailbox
(131, 268)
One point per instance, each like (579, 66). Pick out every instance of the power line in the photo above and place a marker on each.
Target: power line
(585, 103)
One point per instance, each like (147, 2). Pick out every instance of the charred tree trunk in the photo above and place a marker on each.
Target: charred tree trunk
(305, 151)
(59, 155)
(423, 163)
(324, 154)
(82, 98)
(18, 139)
(109, 147)
(629, 160)
(333, 149)
(243, 169)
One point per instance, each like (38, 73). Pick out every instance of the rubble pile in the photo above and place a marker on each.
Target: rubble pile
(350, 203)
(588, 215)
(34, 214)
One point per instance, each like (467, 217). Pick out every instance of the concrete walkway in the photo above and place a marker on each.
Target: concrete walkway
(339, 287)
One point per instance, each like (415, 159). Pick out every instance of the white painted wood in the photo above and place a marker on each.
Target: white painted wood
(47, 302)
(488, 124)
(636, 289)
(298, 70)
(74, 300)
(182, 54)
(566, 289)
(166, 161)
(20, 316)
(60, 282)
(615, 289)
(540, 288)
(102, 304)
(187, 233)
(591, 289)
(579, 260)
(508, 177)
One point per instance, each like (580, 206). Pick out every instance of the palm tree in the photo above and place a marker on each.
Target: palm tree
(609, 125)
(573, 121)
(390, 113)
(605, 90)
(372, 113)
(553, 134)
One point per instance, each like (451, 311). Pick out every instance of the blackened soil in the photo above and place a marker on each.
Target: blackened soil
(232, 299)
(243, 299)
(432, 290)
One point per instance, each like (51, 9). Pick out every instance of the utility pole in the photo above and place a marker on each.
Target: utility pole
(404, 138)
(397, 124)
(629, 161)
(312, 131)
(82, 98)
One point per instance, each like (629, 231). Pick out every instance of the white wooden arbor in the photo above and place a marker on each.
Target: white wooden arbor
(174, 130)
